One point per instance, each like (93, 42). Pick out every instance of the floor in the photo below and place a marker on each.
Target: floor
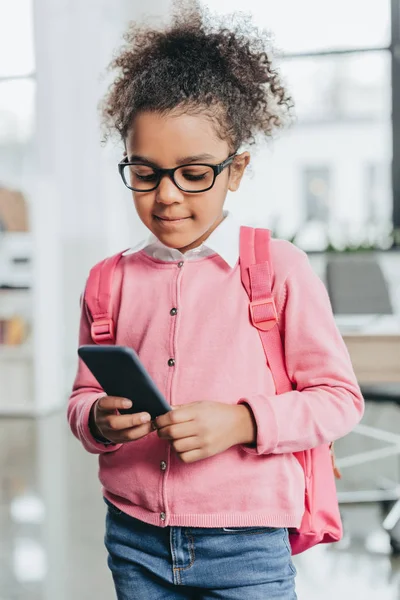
(51, 525)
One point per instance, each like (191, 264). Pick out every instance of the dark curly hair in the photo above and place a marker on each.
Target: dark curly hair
(199, 64)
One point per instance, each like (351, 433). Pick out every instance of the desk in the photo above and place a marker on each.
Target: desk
(373, 342)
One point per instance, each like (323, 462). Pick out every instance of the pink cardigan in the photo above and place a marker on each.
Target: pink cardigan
(218, 356)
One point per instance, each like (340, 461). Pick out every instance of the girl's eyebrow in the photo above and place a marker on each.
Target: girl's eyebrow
(180, 161)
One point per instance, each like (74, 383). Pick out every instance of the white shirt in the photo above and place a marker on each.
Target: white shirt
(224, 241)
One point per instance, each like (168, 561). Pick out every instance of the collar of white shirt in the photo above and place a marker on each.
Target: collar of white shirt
(223, 241)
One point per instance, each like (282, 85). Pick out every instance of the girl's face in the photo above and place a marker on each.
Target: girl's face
(180, 219)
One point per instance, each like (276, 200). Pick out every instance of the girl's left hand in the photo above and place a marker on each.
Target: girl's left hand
(203, 429)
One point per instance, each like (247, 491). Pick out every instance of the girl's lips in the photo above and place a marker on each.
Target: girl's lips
(171, 223)
(173, 220)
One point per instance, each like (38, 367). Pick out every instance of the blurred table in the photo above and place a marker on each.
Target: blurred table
(373, 342)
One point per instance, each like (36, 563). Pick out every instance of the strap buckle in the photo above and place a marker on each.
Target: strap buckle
(102, 331)
(259, 318)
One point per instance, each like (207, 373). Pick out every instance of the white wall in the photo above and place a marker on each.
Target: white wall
(92, 215)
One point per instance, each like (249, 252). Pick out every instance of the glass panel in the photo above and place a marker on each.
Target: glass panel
(354, 86)
(316, 191)
(312, 25)
(16, 38)
(16, 131)
(327, 178)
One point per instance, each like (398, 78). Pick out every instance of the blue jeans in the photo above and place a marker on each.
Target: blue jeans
(179, 563)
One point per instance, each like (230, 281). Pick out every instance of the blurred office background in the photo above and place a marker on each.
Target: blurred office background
(331, 184)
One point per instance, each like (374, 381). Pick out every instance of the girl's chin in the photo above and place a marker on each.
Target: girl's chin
(174, 239)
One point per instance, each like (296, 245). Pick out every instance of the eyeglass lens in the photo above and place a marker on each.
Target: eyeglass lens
(191, 178)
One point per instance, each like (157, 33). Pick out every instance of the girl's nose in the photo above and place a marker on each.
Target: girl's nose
(168, 193)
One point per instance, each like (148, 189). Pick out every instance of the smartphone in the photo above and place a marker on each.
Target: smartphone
(120, 373)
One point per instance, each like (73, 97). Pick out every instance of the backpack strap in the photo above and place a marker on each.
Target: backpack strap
(98, 299)
(256, 272)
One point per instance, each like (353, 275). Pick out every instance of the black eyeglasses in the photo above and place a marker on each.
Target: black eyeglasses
(193, 178)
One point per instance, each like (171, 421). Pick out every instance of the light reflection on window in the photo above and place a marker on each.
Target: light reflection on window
(29, 560)
(312, 25)
(16, 38)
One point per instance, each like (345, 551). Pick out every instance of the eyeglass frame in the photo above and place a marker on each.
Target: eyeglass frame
(217, 169)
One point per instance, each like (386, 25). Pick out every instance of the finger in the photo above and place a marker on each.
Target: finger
(192, 456)
(178, 415)
(119, 422)
(164, 420)
(179, 431)
(127, 435)
(186, 444)
(136, 433)
(111, 403)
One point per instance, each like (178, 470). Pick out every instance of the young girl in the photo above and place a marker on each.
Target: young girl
(200, 501)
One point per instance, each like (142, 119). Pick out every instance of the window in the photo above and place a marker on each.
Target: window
(343, 110)
(16, 131)
(335, 59)
(351, 87)
(16, 38)
(17, 94)
(312, 25)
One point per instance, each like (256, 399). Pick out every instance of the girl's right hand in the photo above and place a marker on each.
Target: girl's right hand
(106, 423)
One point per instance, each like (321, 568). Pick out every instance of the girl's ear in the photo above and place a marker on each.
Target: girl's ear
(238, 168)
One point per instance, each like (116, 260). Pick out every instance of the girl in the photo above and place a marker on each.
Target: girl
(200, 502)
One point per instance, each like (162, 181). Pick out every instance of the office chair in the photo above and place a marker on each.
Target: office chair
(356, 286)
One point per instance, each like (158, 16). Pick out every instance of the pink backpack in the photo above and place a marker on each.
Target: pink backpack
(321, 520)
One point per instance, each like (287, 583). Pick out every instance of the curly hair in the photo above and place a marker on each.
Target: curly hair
(199, 64)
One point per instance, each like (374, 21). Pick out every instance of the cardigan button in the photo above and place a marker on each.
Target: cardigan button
(171, 362)
(173, 312)
(163, 516)
(180, 264)
(163, 465)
